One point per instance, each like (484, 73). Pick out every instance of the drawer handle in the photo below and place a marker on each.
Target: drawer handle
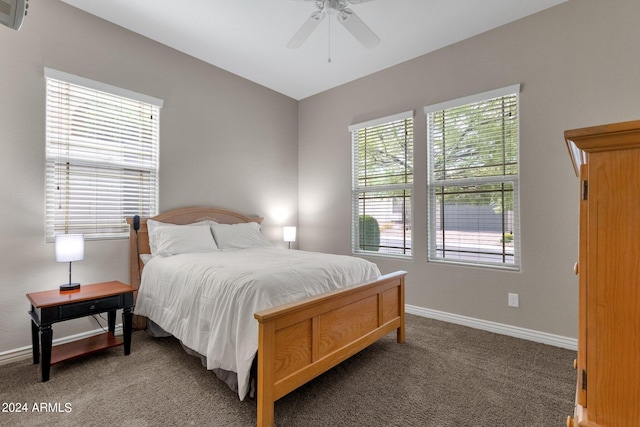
(93, 307)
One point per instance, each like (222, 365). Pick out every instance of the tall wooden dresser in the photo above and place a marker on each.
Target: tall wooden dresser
(607, 160)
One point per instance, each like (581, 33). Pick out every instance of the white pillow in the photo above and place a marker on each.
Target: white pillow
(239, 236)
(184, 239)
(153, 226)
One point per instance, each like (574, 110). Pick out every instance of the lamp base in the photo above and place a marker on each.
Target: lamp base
(69, 286)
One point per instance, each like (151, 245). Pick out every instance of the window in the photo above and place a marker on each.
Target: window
(102, 147)
(382, 185)
(473, 180)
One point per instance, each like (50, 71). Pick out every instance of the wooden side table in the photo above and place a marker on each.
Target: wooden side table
(49, 307)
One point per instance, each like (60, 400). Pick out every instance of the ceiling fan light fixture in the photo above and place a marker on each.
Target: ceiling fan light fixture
(345, 16)
(330, 7)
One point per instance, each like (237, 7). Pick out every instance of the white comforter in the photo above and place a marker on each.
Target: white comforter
(207, 300)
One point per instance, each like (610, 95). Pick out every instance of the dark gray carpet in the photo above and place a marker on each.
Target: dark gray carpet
(444, 375)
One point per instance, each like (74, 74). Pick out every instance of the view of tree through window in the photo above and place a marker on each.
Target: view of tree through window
(473, 181)
(382, 185)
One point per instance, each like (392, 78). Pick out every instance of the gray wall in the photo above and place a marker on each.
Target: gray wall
(225, 142)
(577, 64)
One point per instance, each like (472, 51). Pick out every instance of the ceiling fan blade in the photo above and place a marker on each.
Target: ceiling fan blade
(358, 28)
(305, 31)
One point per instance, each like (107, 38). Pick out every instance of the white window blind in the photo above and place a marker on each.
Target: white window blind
(102, 157)
(473, 180)
(382, 185)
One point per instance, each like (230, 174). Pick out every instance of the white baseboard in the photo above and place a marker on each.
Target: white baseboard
(27, 351)
(498, 328)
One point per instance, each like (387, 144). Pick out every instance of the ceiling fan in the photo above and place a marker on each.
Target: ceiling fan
(344, 16)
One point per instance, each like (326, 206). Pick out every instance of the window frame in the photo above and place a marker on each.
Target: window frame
(405, 252)
(433, 183)
(79, 162)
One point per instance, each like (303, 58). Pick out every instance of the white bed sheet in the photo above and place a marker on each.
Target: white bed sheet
(207, 300)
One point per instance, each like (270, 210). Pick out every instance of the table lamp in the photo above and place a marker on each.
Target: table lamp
(289, 235)
(69, 248)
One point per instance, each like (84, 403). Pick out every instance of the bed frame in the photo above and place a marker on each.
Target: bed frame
(298, 341)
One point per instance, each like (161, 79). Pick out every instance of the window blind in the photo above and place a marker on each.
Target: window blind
(102, 157)
(382, 185)
(473, 177)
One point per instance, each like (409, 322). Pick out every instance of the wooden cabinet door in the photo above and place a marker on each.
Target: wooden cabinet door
(613, 288)
(583, 271)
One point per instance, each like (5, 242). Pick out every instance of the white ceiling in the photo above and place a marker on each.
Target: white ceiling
(249, 37)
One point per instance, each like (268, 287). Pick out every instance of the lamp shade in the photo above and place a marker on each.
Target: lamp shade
(69, 247)
(289, 234)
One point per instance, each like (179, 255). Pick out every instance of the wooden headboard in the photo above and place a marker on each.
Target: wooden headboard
(139, 241)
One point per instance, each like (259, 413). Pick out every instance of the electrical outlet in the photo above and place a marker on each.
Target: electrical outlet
(514, 300)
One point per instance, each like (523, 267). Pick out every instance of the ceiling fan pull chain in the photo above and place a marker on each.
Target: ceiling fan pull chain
(329, 47)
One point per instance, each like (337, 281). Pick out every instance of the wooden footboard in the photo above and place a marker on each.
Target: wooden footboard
(299, 341)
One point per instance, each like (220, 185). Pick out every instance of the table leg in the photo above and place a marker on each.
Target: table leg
(46, 339)
(111, 320)
(35, 342)
(127, 323)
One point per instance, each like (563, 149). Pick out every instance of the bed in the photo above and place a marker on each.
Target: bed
(296, 340)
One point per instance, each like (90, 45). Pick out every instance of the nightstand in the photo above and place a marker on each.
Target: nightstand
(49, 307)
